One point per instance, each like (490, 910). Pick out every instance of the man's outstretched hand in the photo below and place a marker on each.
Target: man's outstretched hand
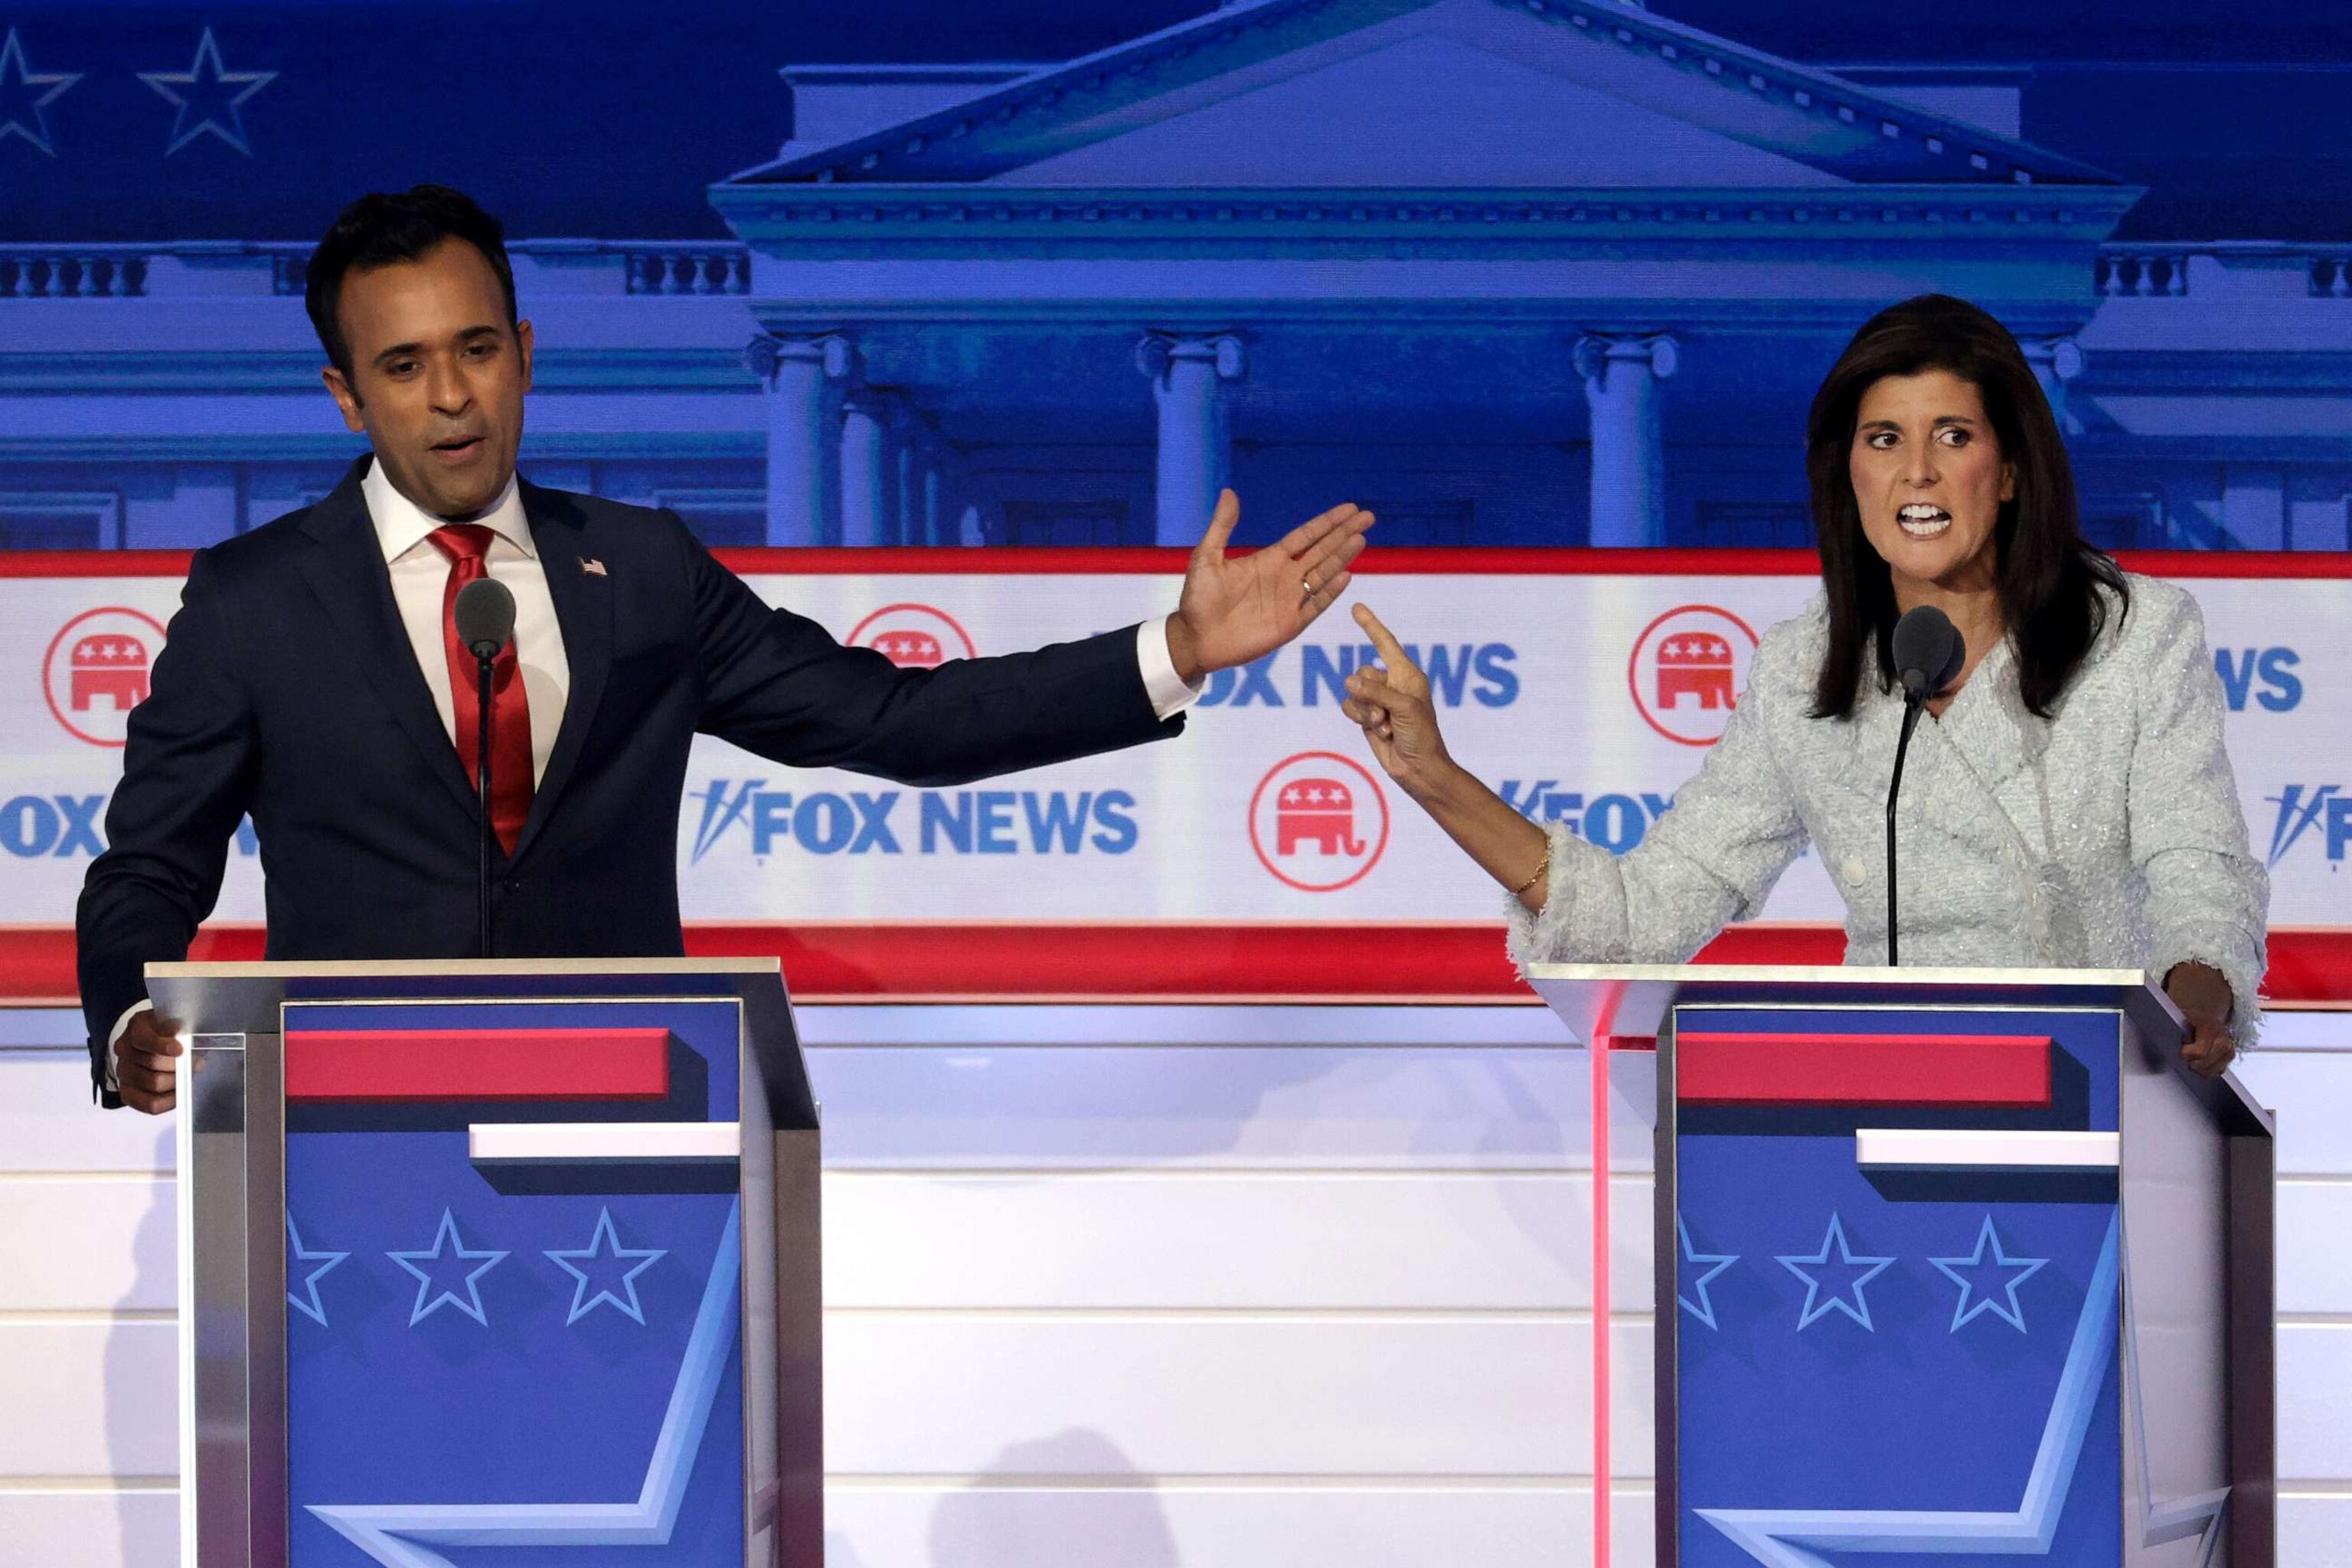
(1234, 610)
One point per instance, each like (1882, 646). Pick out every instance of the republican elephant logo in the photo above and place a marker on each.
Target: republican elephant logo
(1321, 812)
(1318, 822)
(913, 636)
(1688, 670)
(97, 670)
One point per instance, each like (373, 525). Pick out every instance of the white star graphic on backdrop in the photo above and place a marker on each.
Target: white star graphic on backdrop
(21, 103)
(205, 100)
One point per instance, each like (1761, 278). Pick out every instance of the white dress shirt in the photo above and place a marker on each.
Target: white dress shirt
(420, 576)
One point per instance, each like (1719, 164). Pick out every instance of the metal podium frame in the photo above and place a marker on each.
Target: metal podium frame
(2165, 1178)
(232, 1257)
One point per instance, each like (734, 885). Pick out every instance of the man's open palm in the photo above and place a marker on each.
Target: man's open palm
(1237, 610)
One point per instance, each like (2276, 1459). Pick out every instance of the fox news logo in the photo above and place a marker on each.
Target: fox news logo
(2265, 677)
(70, 826)
(1311, 674)
(1615, 821)
(945, 822)
(2324, 809)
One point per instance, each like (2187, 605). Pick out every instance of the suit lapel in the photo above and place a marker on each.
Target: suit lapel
(1957, 767)
(347, 572)
(583, 611)
(1984, 740)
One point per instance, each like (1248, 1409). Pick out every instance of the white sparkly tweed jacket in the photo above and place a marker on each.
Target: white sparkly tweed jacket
(2108, 835)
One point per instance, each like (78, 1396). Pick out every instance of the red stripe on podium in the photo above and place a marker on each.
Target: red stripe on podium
(476, 1064)
(1863, 1069)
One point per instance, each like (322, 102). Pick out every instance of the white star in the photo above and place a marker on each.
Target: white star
(17, 101)
(200, 92)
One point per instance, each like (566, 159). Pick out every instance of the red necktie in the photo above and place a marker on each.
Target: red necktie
(466, 543)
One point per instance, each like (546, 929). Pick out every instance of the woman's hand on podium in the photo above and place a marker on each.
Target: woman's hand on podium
(2204, 999)
(146, 1063)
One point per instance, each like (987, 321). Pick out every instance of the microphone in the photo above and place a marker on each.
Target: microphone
(1928, 654)
(485, 615)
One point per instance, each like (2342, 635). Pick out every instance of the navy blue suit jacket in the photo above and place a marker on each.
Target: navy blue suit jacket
(289, 690)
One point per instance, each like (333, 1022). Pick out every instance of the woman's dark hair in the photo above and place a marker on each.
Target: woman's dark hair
(380, 229)
(2047, 576)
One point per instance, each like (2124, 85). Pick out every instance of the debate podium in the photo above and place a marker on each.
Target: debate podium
(1951, 1264)
(496, 1254)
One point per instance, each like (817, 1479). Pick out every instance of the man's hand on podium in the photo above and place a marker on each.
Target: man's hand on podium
(146, 1062)
(2203, 997)
(1234, 611)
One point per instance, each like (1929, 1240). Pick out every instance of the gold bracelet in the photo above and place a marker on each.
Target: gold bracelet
(1541, 866)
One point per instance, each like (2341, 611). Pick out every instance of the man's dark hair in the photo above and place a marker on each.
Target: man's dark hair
(2047, 576)
(380, 229)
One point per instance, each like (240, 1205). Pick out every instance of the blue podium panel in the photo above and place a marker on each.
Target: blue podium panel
(485, 1263)
(548, 1352)
(1953, 1266)
(1877, 1357)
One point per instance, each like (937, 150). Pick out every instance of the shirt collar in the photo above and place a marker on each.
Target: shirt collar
(401, 525)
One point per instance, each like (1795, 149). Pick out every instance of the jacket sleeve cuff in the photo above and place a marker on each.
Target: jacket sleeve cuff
(1168, 690)
(1549, 935)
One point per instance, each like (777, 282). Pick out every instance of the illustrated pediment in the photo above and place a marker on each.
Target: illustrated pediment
(1430, 93)
(1427, 109)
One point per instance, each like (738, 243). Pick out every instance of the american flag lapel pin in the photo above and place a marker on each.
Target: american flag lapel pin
(591, 567)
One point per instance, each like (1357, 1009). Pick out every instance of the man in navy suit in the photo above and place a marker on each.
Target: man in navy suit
(313, 679)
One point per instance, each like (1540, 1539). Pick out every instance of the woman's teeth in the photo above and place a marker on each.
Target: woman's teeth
(1923, 522)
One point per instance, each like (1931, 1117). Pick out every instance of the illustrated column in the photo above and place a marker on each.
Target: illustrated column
(800, 374)
(1188, 376)
(2056, 362)
(865, 419)
(1621, 377)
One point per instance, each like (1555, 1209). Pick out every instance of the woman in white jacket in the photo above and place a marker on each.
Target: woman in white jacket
(2071, 804)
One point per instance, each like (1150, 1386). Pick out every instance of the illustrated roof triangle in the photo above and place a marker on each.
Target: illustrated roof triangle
(1475, 92)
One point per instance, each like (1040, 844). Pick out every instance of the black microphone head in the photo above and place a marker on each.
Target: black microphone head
(1929, 652)
(486, 616)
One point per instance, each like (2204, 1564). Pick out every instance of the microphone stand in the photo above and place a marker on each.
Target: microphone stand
(1912, 707)
(485, 674)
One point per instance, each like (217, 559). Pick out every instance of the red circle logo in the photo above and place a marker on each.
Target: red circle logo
(914, 637)
(1688, 669)
(1318, 822)
(96, 671)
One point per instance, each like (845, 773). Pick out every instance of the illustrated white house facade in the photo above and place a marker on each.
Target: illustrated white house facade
(1509, 273)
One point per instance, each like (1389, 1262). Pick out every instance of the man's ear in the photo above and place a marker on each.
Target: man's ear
(345, 399)
(523, 342)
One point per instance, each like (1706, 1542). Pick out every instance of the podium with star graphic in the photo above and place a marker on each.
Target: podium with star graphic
(1952, 1266)
(483, 1258)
